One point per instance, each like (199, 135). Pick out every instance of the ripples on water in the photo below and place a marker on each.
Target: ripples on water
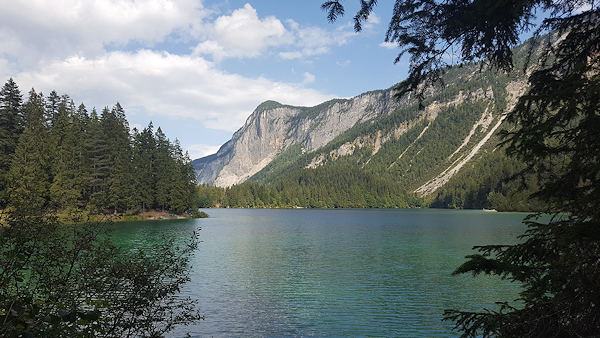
(334, 273)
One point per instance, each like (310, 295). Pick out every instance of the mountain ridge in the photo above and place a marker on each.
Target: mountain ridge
(421, 150)
(274, 127)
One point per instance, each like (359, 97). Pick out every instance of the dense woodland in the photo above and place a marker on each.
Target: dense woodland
(325, 187)
(486, 184)
(62, 276)
(77, 159)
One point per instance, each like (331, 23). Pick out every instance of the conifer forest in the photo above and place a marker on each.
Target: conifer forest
(80, 159)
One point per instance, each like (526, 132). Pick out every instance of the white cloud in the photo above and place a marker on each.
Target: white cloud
(136, 126)
(38, 30)
(211, 47)
(164, 84)
(243, 34)
(49, 30)
(310, 41)
(583, 7)
(201, 150)
(308, 78)
(290, 55)
(388, 45)
(373, 21)
(99, 51)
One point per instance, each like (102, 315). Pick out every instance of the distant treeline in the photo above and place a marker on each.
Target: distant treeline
(80, 160)
(486, 184)
(324, 187)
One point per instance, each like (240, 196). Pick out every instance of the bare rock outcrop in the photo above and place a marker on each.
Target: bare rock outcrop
(273, 127)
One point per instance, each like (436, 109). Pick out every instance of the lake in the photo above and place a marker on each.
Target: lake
(334, 273)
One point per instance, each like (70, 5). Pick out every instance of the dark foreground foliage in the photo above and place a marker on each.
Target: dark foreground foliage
(559, 268)
(70, 280)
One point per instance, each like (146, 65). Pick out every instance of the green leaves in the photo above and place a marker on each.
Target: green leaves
(71, 281)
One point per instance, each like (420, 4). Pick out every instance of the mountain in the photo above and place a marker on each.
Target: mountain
(273, 127)
(450, 143)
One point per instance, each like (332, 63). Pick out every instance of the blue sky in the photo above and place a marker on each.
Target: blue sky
(196, 68)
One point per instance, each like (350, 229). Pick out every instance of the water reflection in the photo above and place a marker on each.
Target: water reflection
(335, 272)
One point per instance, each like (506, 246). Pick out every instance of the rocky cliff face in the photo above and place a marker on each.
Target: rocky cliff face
(273, 127)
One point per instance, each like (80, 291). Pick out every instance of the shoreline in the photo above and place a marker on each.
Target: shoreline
(143, 216)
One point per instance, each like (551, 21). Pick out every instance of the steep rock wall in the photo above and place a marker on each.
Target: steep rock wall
(268, 132)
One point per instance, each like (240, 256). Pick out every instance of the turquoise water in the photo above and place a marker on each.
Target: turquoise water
(334, 273)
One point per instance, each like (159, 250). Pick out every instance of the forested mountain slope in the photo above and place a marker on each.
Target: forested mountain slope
(421, 151)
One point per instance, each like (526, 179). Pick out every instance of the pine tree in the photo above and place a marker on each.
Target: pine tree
(183, 187)
(58, 116)
(71, 171)
(29, 175)
(164, 170)
(53, 102)
(120, 184)
(96, 145)
(11, 127)
(144, 150)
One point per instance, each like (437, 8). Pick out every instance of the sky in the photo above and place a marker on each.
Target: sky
(196, 68)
